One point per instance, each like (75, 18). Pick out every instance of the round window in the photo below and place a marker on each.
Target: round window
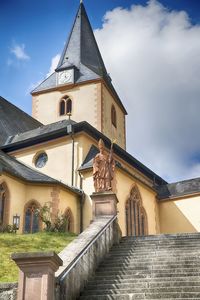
(41, 160)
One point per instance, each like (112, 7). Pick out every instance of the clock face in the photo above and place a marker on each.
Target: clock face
(65, 77)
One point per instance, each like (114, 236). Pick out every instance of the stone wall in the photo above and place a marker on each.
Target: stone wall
(8, 291)
(83, 255)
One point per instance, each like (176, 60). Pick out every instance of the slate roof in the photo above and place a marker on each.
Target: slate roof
(14, 121)
(14, 167)
(66, 127)
(82, 53)
(179, 189)
(45, 131)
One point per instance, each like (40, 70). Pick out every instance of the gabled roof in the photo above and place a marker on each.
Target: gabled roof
(17, 169)
(179, 189)
(82, 53)
(14, 121)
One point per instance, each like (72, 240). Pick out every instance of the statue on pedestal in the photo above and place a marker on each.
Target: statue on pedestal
(103, 169)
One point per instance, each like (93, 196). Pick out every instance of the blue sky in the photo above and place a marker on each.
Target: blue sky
(43, 26)
(33, 32)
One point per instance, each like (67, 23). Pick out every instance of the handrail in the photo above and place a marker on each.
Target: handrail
(80, 255)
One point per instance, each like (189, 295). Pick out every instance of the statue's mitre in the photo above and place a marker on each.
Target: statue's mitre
(101, 143)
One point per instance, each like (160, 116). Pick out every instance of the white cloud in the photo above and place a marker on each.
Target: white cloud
(54, 63)
(19, 52)
(153, 57)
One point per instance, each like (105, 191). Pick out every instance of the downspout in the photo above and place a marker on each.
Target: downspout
(82, 200)
(72, 137)
(70, 131)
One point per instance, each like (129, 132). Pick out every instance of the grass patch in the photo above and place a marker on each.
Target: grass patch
(38, 242)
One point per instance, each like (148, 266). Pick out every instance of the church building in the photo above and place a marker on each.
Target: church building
(48, 158)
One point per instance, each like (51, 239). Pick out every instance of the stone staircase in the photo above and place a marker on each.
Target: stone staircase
(151, 267)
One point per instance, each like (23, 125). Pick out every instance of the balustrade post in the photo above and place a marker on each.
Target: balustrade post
(37, 275)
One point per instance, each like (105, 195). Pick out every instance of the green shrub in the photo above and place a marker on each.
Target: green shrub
(8, 228)
(58, 225)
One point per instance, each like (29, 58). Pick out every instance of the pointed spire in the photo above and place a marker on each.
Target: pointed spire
(81, 47)
(81, 52)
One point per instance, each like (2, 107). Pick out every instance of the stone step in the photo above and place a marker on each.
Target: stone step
(161, 237)
(138, 284)
(161, 290)
(149, 267)
(158, 243)
(141, 296)
(152, 259)
(131, 280)
(159, 264)
(141, 275)
(156, 246)
(153, 255)
(136, 251)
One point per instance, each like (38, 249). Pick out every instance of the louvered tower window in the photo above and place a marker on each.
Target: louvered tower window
(65, 106)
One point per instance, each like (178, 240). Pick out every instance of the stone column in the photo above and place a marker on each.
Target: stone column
(36, 275)
(104, 204)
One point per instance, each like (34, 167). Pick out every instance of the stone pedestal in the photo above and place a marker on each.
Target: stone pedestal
(104, 204)
(36, 275)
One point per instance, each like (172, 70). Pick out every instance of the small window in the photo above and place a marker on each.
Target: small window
(69, 106)
(113, 116)
(62, 108)
(65, 106)
(41, 160)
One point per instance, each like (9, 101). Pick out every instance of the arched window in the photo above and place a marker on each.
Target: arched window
(2, 204)
(136, 218)
(32, 221)
(70, 220)
(65, 106)
(113, 116)
(62, 107)
(69, 106)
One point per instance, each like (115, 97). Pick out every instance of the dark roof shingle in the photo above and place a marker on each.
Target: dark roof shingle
(14, 121)
(179, 189)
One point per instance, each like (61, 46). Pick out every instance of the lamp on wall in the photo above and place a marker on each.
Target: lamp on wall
(16, 221)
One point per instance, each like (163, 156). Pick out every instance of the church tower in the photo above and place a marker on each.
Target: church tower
(81, 86)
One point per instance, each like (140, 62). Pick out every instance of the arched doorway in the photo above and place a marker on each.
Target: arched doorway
(32, 221)
(136, 218)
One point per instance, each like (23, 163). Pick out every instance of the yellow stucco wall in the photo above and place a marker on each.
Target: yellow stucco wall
(86, 101)
(20, 193)
(108, 129)
(69, 200)
(124, 184)
(59, 154)
(181, 215)
(59, 166)
(59, 151)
